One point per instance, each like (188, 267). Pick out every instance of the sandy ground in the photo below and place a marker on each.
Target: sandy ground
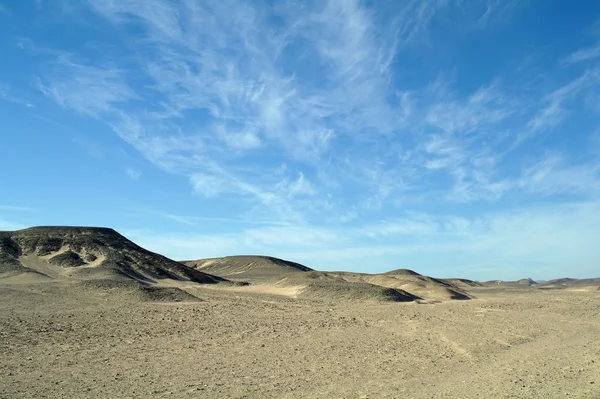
(61, 341)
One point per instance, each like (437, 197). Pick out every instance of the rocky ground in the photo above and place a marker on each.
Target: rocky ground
(65, 340)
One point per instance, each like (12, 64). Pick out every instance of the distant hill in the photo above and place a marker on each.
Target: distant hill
(462, 282)
(330, 286)
(402, 272)
(278, 273)
(570, 282)
(524, 282)
(247, 267)
(410, 281)
(103, 258)
(87, 253)
(560, 283)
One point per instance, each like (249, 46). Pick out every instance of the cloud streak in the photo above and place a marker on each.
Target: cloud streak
(313, 88)
(482, 245)
(349, 113)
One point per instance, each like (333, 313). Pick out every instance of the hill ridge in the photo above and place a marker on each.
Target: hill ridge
(243, 265)
(83, 252)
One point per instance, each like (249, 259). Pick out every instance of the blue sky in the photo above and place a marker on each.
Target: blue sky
(455, 138)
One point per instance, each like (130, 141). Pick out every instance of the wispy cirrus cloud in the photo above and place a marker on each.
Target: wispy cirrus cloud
(482, 245)
(588, 53)
(132, 173)
(90, 90)
(584, 54)
(553, 174)
(299, 110)
(7, 93)
(253, 98)
(329, 132)
(553, 112)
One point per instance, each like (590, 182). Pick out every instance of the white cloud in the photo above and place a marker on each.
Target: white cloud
(584, 54)
(89, 90)
(240, 141)
(485, 107)
(132, 173)
(552, 175)
(553, 112)
(7, 93)
(292, 188)
(302, 112)
(544, 240)
(207, 185)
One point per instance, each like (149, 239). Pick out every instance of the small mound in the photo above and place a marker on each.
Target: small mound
(343, 290)
(324, 285)
(527, 282)
(67, 259)
(165, 294)
(402, 272)
(109, 285)
(409, 281)
(462, 282)
(457, 295)
(141, 292)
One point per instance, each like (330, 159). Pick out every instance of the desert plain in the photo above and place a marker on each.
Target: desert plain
(86, 313)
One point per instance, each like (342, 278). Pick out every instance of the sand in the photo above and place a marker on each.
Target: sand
(61, 340)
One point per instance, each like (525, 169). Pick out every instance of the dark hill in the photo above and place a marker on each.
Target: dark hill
(88, 253)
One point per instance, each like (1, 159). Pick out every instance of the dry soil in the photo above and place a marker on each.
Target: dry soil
(78, 340)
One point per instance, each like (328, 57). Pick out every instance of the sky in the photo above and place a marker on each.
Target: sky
(454, 138)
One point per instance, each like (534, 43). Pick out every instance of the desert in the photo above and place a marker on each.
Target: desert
(299, 199)
(87, 313)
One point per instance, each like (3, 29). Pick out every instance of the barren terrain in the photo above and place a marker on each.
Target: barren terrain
(64, 334)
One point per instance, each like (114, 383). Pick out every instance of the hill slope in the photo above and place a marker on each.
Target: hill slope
(84, 253)
(410, 281)
(570, 282)
(277, 274)
(330, 286)
(247, 267)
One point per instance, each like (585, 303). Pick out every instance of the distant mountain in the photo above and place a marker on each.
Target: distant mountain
(86, 253)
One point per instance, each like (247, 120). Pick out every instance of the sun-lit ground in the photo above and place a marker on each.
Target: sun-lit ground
(61, 340)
